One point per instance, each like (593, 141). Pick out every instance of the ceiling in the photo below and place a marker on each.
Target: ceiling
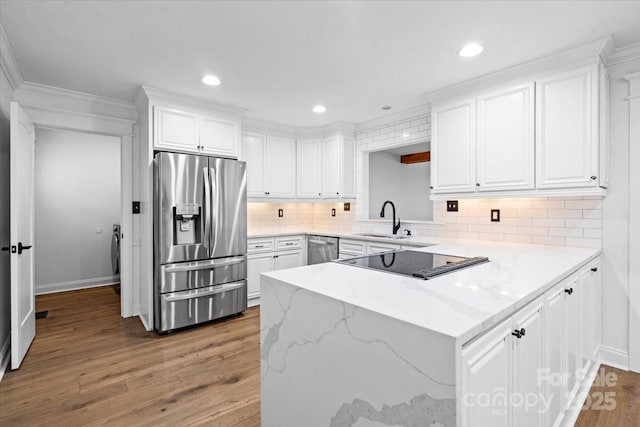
(278, 59)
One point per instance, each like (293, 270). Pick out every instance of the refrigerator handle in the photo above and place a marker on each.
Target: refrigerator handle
(207, 208)
(215, 207)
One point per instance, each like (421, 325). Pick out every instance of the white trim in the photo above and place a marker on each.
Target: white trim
(126, 226)
(78, 121)
(571, 415)
(623, 54)
(190, 102)
(5, 355)
(409, 113)
(49, 288)
(559, 192)
(616, 358)
(8, 61)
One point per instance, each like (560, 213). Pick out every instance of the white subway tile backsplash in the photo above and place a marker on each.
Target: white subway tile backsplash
(564, 213)
(547, 222)
(549, 240)
(566, 232)
(583, 242)
(593, 233)
(584, 223)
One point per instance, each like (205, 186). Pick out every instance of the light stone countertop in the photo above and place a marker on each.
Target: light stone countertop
(462, 304)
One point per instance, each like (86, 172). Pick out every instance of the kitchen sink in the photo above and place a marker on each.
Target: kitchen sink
(382, 236)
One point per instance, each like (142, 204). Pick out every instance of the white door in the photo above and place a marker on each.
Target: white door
(572, 337)
(349, 169)
(219, 136)
(175, 130)
(23, 311)
(566, 142)
(528, 362)
(253, 150)
(256, 265)
(486, 372)
(288, 260)
(505, 139)
(554, 340)
(331, 167)
(453, 147)
(309, 168)
(280, 170)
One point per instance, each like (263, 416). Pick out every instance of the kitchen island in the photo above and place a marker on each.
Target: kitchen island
(343, 346)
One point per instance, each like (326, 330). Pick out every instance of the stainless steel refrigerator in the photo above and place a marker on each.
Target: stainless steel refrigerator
(200, 239)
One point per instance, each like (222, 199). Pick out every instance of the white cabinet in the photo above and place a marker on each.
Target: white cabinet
(453, 147)
(571, 324)
(554, 340)
(265, 254)
(377, 247)
(567, 129)
(338, 167)
(505, 138)
(351, 248)
(177, 130)
(271, 165)
(309, 169)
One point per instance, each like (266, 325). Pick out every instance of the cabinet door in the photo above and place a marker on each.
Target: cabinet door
(219, 136)
(175, 130)
(566, 140)
(528, 359)
(288, 260)
(331, 166)
(376, 248)
(453, 147)
(256, 265)
(349, 169)
(253, 150)
(596, 294)
(280, 169)
(505, 139)
(486, 372)
(309, 168)
(603, 106)
(573, 361)
(554, 343)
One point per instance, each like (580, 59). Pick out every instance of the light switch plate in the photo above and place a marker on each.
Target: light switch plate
(280, 213)
(452, 206)
(495, 215)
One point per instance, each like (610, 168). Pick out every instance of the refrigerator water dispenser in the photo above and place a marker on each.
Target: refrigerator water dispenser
(187, 224)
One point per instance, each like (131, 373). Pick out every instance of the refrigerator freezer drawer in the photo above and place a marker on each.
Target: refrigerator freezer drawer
(180, 309)
(198, 274)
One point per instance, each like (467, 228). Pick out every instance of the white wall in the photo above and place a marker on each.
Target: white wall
(615, 209)
(407, 186)
(77, 201)
(6, 96)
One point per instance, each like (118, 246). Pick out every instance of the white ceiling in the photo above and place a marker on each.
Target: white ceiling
(278, 59)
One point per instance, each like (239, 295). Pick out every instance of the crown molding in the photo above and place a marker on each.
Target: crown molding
(8, 62)
(394, 117)
(277, 129)
(584, 54)
(623, 54)
(177, 99)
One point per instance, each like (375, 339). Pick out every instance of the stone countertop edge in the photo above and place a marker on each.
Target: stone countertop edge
(441, 292)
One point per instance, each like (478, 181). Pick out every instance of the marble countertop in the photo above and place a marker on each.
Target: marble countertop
(461, 304)
(410, 241)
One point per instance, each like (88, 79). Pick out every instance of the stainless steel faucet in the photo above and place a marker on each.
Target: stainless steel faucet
(394, 226)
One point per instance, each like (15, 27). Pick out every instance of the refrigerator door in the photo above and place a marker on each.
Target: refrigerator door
(182, 200)
(228, 207)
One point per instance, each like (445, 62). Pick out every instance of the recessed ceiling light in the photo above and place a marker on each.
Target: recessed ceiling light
(406, 135)
(470, 50)
(386, 107)
(211, 80)
(319, 109)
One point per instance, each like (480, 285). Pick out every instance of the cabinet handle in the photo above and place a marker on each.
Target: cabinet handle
(594, 177)
(288, 243)
(477, 184)
(319, 194)
(275, 256)
(516, 333)
(431, 187)
(522, 331)
(259, 246)
(594, 269)
(569, 291)
(337, 194)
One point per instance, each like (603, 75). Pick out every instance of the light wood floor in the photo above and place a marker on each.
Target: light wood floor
(88, 366)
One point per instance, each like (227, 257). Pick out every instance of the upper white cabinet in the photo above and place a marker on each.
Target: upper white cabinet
(271, 165)
(567, 129)
(505, 137)
(338, 167)
(178, 130)
(537, 137)
(453, 147)
(309, 178)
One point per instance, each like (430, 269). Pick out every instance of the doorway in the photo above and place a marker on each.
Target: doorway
(77, 208)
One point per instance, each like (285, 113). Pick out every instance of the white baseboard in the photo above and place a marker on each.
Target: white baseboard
(5, 354)
(573, 412)
(49, 288)
(613, 357)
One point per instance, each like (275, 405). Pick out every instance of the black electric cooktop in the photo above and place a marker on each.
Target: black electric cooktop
(421, 265)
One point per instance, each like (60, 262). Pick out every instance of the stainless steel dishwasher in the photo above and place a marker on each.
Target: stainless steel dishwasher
(322, 249)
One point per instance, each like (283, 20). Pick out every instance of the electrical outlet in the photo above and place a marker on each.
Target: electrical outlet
(495, 215)
(333, 212)
(280, 213)
(452, 206)
(347, 207)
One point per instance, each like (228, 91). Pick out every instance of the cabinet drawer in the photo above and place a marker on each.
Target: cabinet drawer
(376, 248)
(352, 247)
(289, 242)
(260, 245)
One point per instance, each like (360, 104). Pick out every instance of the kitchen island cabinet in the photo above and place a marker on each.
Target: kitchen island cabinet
(341, 344)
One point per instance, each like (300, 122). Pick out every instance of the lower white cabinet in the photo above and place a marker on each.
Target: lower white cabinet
(528, 370)
(267, 254)
(377, 247)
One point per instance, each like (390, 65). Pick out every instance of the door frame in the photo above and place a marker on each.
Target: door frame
(123, 129)
(634, 221)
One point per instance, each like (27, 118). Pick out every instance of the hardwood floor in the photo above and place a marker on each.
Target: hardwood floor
(88, 366)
